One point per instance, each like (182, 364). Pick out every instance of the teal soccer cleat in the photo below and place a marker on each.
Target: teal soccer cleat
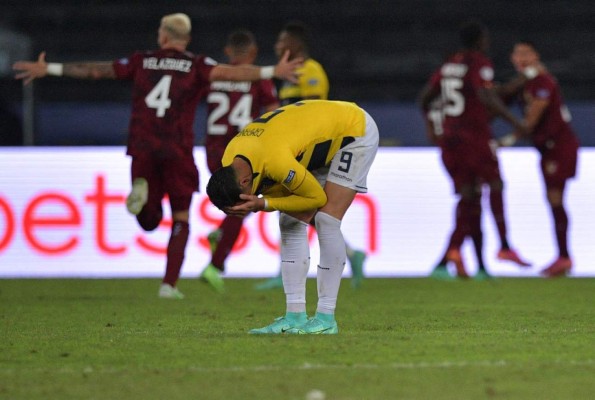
(320, 324)
(271, 283)
(357, 268)
(282, 325)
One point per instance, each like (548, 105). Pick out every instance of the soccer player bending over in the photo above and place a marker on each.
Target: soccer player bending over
(305, 159)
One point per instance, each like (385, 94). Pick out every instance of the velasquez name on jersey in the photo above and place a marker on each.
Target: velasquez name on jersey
(171, 64)
(227, 86)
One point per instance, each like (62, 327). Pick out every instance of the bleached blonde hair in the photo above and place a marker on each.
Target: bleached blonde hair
(177, 25)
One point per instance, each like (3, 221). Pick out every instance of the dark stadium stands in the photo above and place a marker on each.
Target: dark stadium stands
(374, 51)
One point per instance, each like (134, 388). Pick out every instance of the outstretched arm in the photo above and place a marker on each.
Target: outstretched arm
(28, 71)
(285, 70)
(492, 101)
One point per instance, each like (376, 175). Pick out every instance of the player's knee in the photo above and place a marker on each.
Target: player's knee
(149, 222)
(289, 223)
(326, 223)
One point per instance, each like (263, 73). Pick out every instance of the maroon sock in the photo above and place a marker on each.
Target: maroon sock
(175, 252)
(561, 227)
(230, 230)
(497, 206)
(462, 224)
(476, 232)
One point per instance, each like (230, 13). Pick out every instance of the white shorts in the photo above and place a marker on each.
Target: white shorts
(350, 166)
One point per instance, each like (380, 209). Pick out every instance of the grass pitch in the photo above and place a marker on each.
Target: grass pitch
(399, 339)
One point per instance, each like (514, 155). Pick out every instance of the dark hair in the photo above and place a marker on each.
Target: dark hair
(471, 33)
(223, 188)
(529, 43)
(299, 31)
(240, 39)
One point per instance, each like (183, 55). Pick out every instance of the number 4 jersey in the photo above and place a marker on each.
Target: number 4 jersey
(167, 86)
(459, 80)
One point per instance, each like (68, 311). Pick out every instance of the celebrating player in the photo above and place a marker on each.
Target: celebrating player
(464, 84)
(305, 159)
(231, 106)
(167, 85)
(548, 121)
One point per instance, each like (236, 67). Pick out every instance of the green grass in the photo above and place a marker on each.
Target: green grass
(399, 339)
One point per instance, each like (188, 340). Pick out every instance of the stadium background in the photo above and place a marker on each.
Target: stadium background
(377, 53)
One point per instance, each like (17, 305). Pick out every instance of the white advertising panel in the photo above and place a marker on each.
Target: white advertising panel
(62, 214)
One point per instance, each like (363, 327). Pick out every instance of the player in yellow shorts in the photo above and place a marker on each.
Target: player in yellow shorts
(305, 159)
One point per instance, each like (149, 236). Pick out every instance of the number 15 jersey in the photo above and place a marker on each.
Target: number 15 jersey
(459, 80)
(167, 86)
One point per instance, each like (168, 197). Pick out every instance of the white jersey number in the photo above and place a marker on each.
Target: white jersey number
(240, 114)
(453, 100)
(158, 97)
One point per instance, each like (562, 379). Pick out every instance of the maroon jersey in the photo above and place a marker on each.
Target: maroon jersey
(166, 89)
(554, 123)
(230, 107)
(458, 80)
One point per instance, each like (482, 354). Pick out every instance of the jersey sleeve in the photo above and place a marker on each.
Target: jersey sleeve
(125, 68)
(203, 66)
(313, 82)
(541, 88)
(305, 191)
(483, 74)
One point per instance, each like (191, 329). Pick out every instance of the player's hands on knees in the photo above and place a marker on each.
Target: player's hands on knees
(27, 71)
(250, 204)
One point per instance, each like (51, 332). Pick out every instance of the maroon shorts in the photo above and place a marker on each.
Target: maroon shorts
(558, 163)
(470, 164)
(176, 177)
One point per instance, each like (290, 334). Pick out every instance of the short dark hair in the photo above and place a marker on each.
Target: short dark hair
(223, 188)
(471, 33)
(298, 30)
(527, 42)
(240, 39)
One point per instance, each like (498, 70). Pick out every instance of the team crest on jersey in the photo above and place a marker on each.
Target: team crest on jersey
(290, 177)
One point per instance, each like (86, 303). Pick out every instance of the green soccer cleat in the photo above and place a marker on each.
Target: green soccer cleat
(357, 268)
(441, 273)
(138, 197)
(483, 275)
(212, 276)
(167, 291)
(214, 238)
(282, 324)
(320, 324)
(272, 283)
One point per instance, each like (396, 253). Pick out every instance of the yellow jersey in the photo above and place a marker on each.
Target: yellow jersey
(283, 145)
(312, 83)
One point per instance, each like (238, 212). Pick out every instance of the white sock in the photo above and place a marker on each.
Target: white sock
(332, 261)
(295, 261)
